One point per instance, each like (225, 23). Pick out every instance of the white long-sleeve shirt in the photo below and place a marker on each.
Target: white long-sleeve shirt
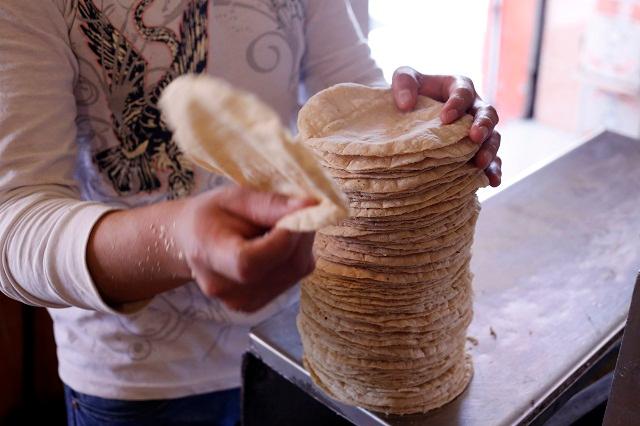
(81, 134)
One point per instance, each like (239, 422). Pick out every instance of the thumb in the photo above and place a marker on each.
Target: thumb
(264, 209)
(404, 86)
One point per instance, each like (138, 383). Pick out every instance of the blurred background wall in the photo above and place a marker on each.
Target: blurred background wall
(558, 71)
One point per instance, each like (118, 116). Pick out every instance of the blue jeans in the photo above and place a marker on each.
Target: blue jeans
(217, 409)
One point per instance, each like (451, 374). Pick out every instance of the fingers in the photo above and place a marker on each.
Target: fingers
(485, 120)
(210, 282)
(235, 244)
(303, 255)
(457, 92)
(486, 159)
(279, 280)
(494, 172)
(258, 256)
(251, 296)
(262, 208)
(246, 260)
(488, 151)
(460, 96)
(232, 252)
(278, 249)
(405, 85)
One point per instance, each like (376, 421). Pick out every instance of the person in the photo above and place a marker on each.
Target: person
(153, 270)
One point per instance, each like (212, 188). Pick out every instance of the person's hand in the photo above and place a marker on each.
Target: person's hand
(235, 254)
(460, 97)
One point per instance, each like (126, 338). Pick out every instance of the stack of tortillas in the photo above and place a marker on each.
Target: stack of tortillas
(383, 318)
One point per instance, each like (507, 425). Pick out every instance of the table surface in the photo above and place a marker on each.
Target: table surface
(555, 259)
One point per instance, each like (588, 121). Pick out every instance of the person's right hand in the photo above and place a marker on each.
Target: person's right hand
(235, 254)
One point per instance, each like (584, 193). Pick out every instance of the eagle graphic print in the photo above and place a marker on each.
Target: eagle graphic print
(146, 153)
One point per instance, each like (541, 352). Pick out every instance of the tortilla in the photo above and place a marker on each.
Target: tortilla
(233, 133)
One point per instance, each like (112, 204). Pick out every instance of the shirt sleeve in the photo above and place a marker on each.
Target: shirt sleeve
(44, 226)
(336, 50)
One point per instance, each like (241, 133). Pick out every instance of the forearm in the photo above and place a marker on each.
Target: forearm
(44, 231)
(132, 255)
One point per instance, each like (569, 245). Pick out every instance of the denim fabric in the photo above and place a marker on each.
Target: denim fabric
(216, 409)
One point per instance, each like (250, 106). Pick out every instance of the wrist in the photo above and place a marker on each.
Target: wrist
(132, 255)
(171, 237)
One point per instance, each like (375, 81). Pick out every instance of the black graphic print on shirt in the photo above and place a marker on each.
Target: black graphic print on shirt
(146, 150)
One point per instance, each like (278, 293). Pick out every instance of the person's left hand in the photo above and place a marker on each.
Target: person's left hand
(460, 97)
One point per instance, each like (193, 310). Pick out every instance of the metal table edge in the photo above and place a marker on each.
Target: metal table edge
(288, 367)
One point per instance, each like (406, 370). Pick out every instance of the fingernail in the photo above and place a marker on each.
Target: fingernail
(295, 202)
(486, 158)
(451, 115)
(484, 132)
(481, 160)
(404, 97)
(300, 202)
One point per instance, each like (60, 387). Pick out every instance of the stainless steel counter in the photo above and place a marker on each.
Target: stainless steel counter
(555, 258)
